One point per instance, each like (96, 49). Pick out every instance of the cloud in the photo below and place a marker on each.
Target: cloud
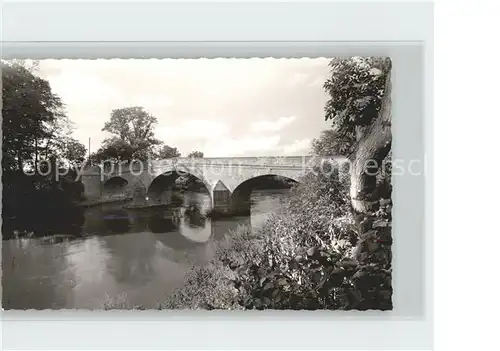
(280, 123)
(209, 105)
(298, 79)
(319, 81)
(151, 102)
(78, 88)
(308, 80)
(297, 145)
(241, 146)
(192, 129)
(256, 146)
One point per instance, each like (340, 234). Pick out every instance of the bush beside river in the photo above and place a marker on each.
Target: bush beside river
(39, 206)
(304, 257)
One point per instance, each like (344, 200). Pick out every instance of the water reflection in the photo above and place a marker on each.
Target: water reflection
(160, 224)
(141, 253)
(194, 217)
(117, 221)
(131, 259)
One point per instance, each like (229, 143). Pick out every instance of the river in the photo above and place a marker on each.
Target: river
(129, 257)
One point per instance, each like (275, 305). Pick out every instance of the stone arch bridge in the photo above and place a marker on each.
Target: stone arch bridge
(148, 184)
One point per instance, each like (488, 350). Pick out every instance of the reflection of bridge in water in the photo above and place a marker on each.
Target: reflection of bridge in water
(178, 233)
(229, 181)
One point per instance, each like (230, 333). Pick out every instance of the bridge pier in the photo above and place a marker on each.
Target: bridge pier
(225, 202)
(221, 198)
(91, 180)
(139, 196)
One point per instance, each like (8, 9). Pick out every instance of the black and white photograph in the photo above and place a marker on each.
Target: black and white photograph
(198, 184)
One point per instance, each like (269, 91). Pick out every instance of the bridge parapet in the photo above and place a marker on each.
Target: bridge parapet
(279, 161)
(202, 165)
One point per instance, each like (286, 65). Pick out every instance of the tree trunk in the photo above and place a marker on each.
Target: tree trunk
(373, 249)
(374, 143)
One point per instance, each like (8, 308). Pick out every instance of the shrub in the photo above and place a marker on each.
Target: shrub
(215, 286)
(306, 245)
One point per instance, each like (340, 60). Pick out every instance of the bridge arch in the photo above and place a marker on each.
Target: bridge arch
(159, 191)
(116, 186)
(124, 187)
(240, 197)
(252, 182)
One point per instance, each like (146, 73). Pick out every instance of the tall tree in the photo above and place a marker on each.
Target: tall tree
(75, 152)
(195, 154)
(30, 65)
(113, 149)
(370, 185)
(135, 126)
(168, 152)
(59, 140)
(35, 128)
(372, 148)
(29, 112)
(359, 108)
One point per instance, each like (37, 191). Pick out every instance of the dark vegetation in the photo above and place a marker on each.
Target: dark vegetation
(35, 133)
(189, 182)
(330, 245)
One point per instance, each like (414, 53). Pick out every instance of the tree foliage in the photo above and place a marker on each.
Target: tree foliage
(133, 126)
(331, 143)
(356, 88)
(195, 154)
(168, 152)
(114, 149)
(29, 116)
(30, 65)
(133, 137)
(74, 152)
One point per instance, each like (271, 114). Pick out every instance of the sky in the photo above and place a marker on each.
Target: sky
(222, 107)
